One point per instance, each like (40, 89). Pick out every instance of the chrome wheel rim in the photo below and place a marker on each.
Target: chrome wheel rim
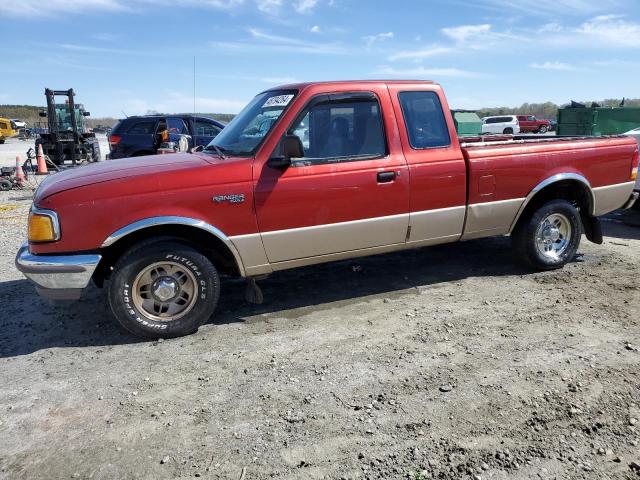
(164, 291)
(553, 236)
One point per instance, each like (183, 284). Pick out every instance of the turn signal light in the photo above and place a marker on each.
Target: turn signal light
(114, 139)
(43, 227)
(634, 174)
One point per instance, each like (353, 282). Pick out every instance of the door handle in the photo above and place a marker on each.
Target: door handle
(386, 177)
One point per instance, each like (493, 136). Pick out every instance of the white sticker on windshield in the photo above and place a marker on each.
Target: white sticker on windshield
(278, 101)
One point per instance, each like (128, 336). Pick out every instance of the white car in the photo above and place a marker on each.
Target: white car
(503, 124)
(19, 123)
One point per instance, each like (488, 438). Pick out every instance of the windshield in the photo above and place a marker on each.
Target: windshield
(247, 130)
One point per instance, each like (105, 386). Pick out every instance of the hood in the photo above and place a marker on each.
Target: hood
(115, 169)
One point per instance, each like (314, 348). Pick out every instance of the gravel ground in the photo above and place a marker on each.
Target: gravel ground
(449, 362)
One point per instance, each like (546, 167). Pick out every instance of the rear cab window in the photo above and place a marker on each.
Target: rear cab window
(424, 120)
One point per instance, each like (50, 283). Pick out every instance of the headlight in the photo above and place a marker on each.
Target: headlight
(43, 226)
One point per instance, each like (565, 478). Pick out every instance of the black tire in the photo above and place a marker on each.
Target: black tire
(1, 141)
(125, 303)
(525, 242)
(508, 131)
(5, 185)
(543, 129)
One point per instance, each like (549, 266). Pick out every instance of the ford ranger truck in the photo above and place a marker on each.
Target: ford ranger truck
(306, 174)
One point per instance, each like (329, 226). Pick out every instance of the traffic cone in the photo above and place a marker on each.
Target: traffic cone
(20, 178)
(42, 164)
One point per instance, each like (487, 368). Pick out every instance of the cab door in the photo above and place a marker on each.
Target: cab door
(350, 190)
(437, 167)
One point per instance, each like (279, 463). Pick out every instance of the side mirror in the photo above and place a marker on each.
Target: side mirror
(291, 148)
(42, 114)
(86, 114)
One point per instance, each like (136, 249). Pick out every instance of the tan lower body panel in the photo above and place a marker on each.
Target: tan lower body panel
(611, 197)
(252, 253)
(318, 240)
(302, 262)
(491, 218)
(326, 243)
(434, 225)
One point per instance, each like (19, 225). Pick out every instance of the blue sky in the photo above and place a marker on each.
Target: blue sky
(137, 55)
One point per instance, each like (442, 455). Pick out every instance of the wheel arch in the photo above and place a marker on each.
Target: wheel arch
(569, 186)
(211, 241)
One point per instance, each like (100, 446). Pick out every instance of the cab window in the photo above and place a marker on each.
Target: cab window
(347, 128)
(424, 120)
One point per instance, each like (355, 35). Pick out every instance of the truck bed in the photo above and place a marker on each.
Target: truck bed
(502, 171)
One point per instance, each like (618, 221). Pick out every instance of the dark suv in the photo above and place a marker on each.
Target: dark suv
(142, 135)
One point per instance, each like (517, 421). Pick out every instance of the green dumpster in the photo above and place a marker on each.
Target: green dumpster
(468, 123)
(596, 121)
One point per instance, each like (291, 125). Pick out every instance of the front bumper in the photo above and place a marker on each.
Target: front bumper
(57, 277)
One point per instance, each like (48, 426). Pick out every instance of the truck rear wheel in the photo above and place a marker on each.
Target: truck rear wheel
(163, 290)
(543, 129)
(550, 237)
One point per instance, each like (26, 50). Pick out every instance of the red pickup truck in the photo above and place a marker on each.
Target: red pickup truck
(530, 124)
(305, 174)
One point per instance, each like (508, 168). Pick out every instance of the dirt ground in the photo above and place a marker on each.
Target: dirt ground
(448, 362)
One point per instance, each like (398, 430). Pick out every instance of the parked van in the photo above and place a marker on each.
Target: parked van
(6, 129)
(504, 124)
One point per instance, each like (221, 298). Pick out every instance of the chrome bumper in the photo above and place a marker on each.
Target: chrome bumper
(57, 277)
(632, 199)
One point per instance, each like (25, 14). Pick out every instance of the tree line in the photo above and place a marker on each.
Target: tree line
(29, 113)
(549, 110)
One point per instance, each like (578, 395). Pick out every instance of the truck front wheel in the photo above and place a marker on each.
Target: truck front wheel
(550, 237)
(163, 290)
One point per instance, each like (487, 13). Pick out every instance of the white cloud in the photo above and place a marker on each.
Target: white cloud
(266, 42)
(553, 27)
(551, 8)
(558, 66)
(177, 102)
(378, 37)
(418, 54)
(423, 72)
(305, 6)
(275, 7)
(28, 8)
(269, 6)
(465, 33)
(612, 30)
(279, 80)
(315, 29)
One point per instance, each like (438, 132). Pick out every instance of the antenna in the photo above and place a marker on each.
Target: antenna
(194, 85)
(125, 115)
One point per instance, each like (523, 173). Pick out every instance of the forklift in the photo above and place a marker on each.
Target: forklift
(67, 141)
